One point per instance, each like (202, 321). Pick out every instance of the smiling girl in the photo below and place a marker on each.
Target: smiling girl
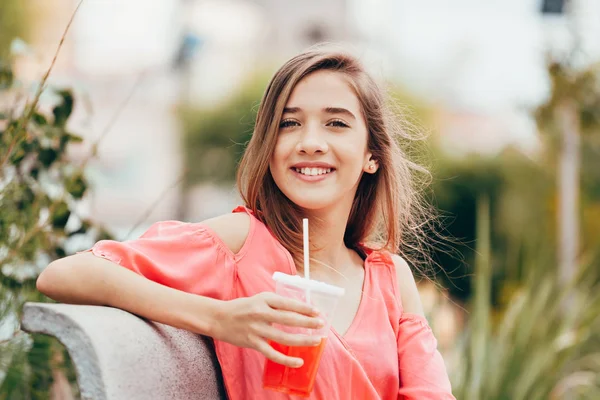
(323, 148)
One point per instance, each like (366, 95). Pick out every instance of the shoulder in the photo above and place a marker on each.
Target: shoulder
(407, 287)
(233, 229)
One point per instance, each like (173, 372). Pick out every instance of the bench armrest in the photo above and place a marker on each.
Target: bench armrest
(118, 355)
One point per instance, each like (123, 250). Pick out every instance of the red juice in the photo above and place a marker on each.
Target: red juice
(294, 381)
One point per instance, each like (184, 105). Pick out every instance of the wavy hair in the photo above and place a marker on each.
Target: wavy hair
(387, 212)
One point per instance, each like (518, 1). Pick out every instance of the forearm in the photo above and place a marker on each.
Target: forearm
(87, 279)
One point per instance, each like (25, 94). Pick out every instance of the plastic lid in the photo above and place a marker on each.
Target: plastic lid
(317, 286)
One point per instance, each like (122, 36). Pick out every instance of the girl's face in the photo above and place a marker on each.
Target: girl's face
(321, 150)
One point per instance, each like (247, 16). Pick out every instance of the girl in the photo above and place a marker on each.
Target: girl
(323, 148)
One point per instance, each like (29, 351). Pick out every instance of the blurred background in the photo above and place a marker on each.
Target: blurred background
(149, 104)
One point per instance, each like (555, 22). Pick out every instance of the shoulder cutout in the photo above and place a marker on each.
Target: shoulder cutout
(232, 229)
(411, 301)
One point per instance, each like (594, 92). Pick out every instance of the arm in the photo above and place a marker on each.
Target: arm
(87, 279)
(423, 373)
(163, 275)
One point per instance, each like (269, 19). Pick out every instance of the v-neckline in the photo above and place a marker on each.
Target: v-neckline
(365, 287)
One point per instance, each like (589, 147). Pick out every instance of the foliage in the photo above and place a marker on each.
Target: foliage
(523, 190)
(214, 139)
(578, 86)
(546, 345)
(521, 195)
(543, 340)
(39, 195)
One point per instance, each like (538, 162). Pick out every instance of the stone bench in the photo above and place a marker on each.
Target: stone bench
(118, 355)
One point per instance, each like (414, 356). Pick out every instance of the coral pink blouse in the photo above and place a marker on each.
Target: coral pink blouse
(385, 354)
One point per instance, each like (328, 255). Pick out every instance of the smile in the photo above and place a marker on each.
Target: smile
(313, 171)
(312, 174)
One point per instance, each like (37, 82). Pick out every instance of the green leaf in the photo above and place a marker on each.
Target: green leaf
(67, 138)
(75, 138)
(6, 76)
(63, 110)
(39, 119)
(26, 199)
(47, 157)
(85, 226)
(17, 156)
(40, 358)
(60, 252)
(61, 215)
(104, 235)
(18, 372)
(76, 186)
(34, 173)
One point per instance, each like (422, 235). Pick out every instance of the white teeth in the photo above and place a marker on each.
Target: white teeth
(313, 171)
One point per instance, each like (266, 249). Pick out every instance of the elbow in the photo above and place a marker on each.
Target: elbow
(49, 281)
(77, 279)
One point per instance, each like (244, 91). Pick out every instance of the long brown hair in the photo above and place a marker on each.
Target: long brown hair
(387, 211)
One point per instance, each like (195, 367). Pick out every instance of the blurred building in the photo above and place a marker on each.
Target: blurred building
(295, 25)
(239, 36)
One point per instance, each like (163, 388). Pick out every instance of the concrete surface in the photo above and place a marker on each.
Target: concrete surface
(118, 355)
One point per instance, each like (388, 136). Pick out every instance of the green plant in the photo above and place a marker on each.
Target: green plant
(570, 120)
(521, 195)
(547, 343)
(40, 190)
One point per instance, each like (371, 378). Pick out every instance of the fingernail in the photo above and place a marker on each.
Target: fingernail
(299, 363)
(315, 311)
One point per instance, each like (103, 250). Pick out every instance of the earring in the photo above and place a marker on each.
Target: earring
(372, 166)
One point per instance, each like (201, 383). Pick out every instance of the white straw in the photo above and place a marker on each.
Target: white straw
(306, 259)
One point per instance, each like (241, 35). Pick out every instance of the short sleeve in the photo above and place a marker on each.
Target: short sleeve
(422, 370)
(179, 255)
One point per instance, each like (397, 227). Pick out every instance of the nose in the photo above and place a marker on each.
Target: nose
(312, 141)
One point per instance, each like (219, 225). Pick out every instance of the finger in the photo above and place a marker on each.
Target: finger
(284, 303)
(275, 356)
(290, 318)
(290, 339)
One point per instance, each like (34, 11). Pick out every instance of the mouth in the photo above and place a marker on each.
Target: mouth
(311, 174)
(313, 171)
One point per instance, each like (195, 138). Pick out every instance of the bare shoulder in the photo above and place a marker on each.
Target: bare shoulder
(231, 228)
(411, 301)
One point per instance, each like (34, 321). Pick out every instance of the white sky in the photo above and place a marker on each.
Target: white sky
(481, 55)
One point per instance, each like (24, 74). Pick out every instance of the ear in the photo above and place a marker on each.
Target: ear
(371, 166)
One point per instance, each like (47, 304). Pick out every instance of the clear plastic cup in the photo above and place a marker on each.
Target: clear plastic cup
(325, 297)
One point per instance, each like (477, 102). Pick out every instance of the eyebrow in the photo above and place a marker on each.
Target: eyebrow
(328, 110)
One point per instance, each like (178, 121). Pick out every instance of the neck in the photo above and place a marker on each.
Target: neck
(328, 250)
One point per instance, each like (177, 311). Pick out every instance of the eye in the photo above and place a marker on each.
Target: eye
(287, 123)
(338, 123)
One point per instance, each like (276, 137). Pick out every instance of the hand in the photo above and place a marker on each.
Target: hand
(247, 322)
